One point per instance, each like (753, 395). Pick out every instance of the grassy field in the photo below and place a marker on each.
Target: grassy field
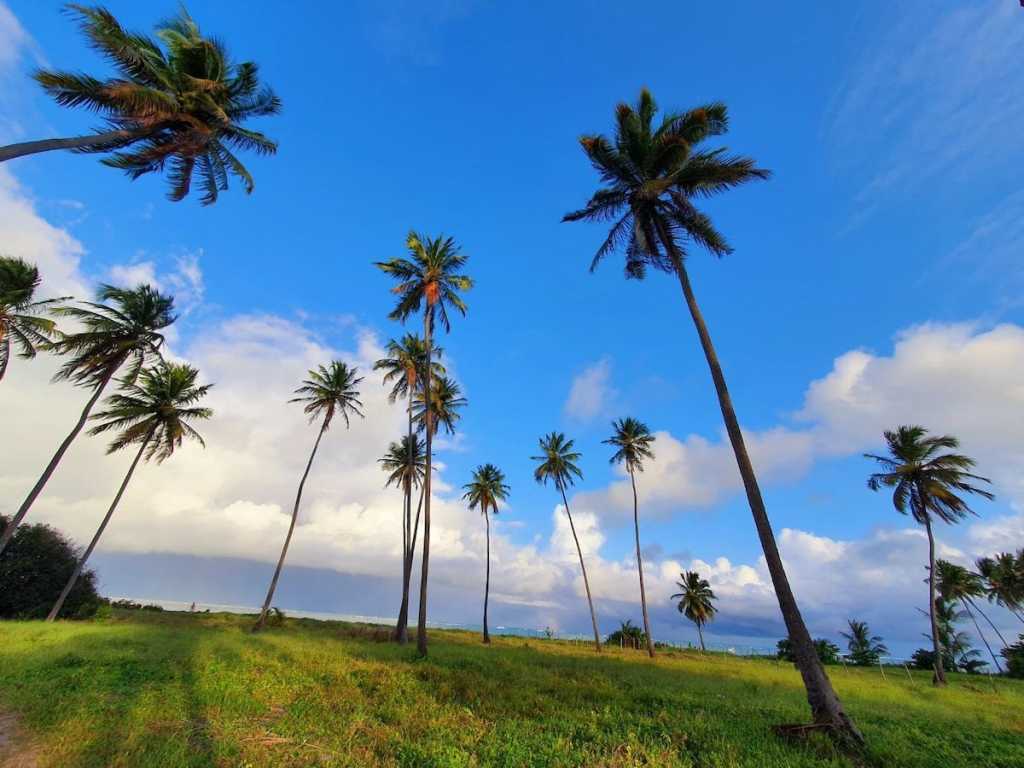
(175, 690)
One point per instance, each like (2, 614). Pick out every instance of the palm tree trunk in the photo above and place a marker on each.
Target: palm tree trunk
(826, 708)
(421, 624)
(586, 581)
(5, 345)
(287, 540)
(939, 678)
(402, 627)
(487, 580)
(970, 613)
(52, 466)
(55, 611)
(116, 138)
(640, 568)
(700, 634)
(994, 627)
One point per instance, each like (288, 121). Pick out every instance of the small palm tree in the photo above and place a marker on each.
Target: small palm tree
(1003, 580)
(445, 406)
(926, 484)
(430, 278)
(558, 465)
(484, 491)
(628, 634)
(20, 323)
(957, 584)
(865, 649)
(633, 439)
(330, 391)
(696, 601)
(155, 412)
(123, 326)
(182, 105)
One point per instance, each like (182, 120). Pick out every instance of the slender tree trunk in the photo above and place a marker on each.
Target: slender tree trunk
(586, 581)
(5, 345)
(640, 568)
(416, 529)
(12, 151)
(402, 630)
(994, 627)
(288, 539)
(939, 678)
(55, 611)
(970, 613)
(421, 625)
(826, 709)
(487, 579)
(61, 450)
(700, 634)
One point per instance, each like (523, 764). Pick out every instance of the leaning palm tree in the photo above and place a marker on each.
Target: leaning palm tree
(558, 465)
(696, 601)
(486, 489)
(123, 326)
(330, 391)
(633, 440)
(182, 104)
(864, 648)
(153, 412)
(651, 177)
(1003, 580)
(926, 484)
(430, 278)
(404, 464)
(21, 324)
(957, 584)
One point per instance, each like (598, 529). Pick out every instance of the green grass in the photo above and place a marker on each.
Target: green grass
(175, 690)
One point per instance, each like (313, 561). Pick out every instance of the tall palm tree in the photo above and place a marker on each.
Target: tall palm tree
(696, 601)
(402, 370)
(925, 484)
(431, 277)
(651, 177)
(957, 584)
(1003, 580)
(154, 413)
(865, 648)
(330, 391)
(181, 105)
(122, 326)
(20, 323)
(558, 465)
(484, 491)
(404, 464)
(633, 440)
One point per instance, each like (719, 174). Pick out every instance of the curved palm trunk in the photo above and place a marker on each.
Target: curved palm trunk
(5, 345)
(487, 580)
(403, 613)
(287, 540)
(970, 613)
(421, 624)
(55, 611)
(987, 619)
(826, 709)
(700, 634)
(26, 505)
(939, 678)
(114, 138)
(640, 568)
(586, 581)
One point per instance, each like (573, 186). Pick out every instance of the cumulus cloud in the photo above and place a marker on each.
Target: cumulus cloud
(591, 393)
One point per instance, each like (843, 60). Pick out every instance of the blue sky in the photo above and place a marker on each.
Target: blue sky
(893, 135)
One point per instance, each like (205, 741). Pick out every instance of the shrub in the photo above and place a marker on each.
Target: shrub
(828, 652)
(1014, 656)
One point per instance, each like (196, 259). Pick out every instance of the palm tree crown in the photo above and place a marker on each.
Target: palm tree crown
(445, 404)
(557, 462)
(651, 176)
(696, 598)
(404, 364)
(123, 324)
(1003, 579)
(330, 390)
(20, 323)
(486, 489)
(181, 105)
(155, 408)
(956, 582)
(864, 647)
(404, 462)
(633, 440)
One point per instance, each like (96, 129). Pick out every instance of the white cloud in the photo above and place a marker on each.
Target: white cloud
(13, 38)
(591, 394)
(138, 273)
(184, 280)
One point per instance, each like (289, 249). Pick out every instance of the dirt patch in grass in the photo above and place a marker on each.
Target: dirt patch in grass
(15, 750)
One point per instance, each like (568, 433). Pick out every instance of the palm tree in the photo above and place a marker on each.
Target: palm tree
(956, 583)
(651, 177)
(558, 464)
(20, 321)
(926, 483)
(182, 105)
(430, 278)
(402, 369)
(154, 413)
(445, 405)
(404, 465)
(328, 392)
(485, 490)
(123, 326)
(633, 440)
(628, 634)
(865, 649)
(1003, 580)
(696, 601)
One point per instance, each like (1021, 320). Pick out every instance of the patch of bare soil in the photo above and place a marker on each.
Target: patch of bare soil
(15, 749)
